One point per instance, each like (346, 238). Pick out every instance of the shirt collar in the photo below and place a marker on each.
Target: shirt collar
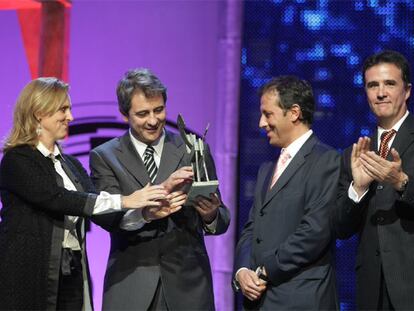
(396, 126)
(295, 146)
(46, 152)
(140, 146)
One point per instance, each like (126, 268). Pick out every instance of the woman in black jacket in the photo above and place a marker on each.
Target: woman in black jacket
(45, 196)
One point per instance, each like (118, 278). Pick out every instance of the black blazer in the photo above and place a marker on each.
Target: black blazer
(171, 248)
(289, 232)
(384, 222)
(31, 230)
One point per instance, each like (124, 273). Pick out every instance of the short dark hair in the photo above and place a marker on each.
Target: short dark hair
(138, 80)
(292, 90)
(390, 57)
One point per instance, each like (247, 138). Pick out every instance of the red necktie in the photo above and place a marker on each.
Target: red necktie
(280, 166)
(385, 139)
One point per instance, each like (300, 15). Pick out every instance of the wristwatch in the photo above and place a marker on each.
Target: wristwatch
(403, 185)
(236, 285)
(260, 274)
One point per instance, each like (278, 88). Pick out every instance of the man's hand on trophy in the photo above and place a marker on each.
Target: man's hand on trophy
(178, 179)
(207, 208)
(172, 204)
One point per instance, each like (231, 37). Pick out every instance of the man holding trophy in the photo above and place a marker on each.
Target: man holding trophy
(158, 259)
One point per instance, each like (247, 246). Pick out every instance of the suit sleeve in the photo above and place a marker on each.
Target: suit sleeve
(25, 177)
(348, 215)
(223, 216)
(105, 180)
(313, 234)
(244, 245)
(407, 197)
(102, 175)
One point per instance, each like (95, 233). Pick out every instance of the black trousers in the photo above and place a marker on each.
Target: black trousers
(70, 291)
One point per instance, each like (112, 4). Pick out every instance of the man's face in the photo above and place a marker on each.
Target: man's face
(386, 93)
(274, 120)
(147, 117)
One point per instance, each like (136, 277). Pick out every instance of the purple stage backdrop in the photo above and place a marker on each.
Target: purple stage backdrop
(193, 46)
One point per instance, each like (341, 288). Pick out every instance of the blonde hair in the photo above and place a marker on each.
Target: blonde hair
(40, 97)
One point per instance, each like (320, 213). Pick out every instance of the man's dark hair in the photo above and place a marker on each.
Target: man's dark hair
(389, 57)
(138, 80)
(292, 90)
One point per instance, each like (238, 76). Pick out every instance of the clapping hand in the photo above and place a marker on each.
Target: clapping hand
(361, 178)
(382, 170)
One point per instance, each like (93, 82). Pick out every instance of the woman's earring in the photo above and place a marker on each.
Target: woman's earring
(39, 129)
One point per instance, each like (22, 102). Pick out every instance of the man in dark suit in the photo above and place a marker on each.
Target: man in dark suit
(376, 192)
(283, 257)
(158, 259)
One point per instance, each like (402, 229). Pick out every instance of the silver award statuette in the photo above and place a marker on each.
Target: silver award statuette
(202, 185)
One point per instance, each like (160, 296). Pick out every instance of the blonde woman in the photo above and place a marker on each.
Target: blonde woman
(45, 196)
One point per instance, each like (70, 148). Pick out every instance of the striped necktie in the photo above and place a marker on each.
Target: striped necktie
(149, 163)
(385, 139)
(280, 166)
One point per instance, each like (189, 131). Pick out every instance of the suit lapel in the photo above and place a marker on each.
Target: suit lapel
(404, 137)
(170, 158)
(72, 173)
(374, 142)
(131, 160)
(265, 182)
(297, 161)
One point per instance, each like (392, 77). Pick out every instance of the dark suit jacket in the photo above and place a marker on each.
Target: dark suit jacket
(288, 231)
(171, 248)
(384, 221)
(31, 230)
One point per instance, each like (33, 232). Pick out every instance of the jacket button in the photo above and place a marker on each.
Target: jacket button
(258, 240)
(380, 187)
(377, 252)
(380, 220)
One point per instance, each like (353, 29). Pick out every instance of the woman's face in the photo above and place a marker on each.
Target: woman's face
(56, 126)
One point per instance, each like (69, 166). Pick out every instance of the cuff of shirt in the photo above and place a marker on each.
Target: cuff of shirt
(353, 195)
(235, 282)
(107, 203)
(133, 220)
(211, 227)
(237, 272)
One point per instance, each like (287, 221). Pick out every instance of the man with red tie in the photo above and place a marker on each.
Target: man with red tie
(376, 192)
(283, 258)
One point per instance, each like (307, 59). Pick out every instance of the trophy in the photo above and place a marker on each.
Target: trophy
(202, 185)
